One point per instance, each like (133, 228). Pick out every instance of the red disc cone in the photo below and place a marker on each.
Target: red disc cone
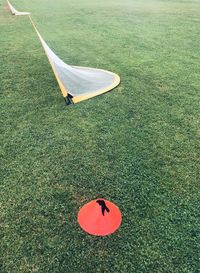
(99, 217)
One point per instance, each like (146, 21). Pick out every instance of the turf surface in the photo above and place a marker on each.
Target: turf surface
(137, 146)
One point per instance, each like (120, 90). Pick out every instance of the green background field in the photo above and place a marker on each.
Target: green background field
(137, 145)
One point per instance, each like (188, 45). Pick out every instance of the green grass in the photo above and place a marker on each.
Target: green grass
(137, 145)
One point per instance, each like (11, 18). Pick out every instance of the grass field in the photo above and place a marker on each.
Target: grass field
(138, 145)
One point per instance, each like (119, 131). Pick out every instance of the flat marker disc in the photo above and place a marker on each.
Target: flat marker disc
(99, 217)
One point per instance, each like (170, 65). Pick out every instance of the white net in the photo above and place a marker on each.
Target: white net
(14, 11)
(79, 82)
(76, 83)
